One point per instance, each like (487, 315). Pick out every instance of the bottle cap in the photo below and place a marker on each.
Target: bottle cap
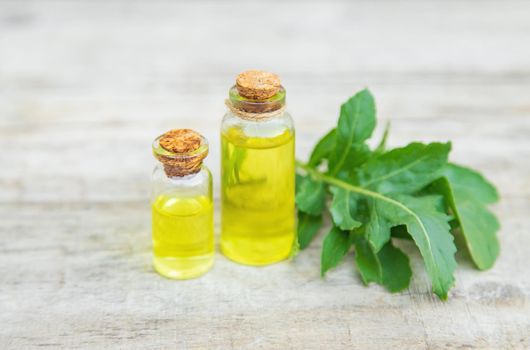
(257, 84)
(181, 151)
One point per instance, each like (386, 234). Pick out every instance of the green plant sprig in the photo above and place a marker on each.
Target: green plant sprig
(380, 195)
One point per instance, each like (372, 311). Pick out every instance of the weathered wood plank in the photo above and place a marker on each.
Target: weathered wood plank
(81, 273)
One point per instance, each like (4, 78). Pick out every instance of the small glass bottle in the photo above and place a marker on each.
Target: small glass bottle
(257, 172)
(182, 206)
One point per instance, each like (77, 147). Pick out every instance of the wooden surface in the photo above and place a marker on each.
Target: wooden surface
(86, 85)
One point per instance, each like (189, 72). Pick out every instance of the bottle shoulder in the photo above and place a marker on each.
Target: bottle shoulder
(198, 184)
(258, 128)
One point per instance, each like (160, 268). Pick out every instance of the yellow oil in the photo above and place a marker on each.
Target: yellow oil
(257, 196)
(183, 241)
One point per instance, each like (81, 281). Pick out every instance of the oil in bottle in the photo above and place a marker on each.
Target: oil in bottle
(182, 239)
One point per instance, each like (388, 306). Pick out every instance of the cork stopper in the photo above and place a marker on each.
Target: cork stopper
(180, 141)
(257, 84)
(181, 151)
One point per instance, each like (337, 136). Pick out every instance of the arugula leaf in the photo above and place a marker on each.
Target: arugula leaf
(323, 148)
(343, 209)
(381, 218)
(367, 262)
(356, 124)
(430, 230)
(389, 267)
(470, 183)
(395, 267)
(467, 194)
(428, 227)
(311, 196)
(380, 194)
(336, 245)
(298, 181)
(308, 226)
(404, 170)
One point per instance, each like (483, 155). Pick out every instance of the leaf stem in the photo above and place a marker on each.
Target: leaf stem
(352, 188)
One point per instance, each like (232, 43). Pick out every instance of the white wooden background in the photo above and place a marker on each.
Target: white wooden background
(86, 85)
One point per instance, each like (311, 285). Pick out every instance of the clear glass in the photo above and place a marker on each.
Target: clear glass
(257, 184)
(182, 222)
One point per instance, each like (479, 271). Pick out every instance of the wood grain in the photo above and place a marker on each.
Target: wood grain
(85, 86)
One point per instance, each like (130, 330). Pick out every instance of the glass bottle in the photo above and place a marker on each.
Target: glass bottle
(182, 206)
(257, 172)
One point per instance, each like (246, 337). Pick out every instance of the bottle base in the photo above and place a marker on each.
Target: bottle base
(254, 257)
(183, 268)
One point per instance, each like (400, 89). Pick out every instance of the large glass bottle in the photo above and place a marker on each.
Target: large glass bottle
(182, 206)
(257, 172)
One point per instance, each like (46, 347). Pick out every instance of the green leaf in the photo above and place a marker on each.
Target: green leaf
(367, 262)
(396, 268)
(428, 227)
(298, 181)
(308, 226)
(356, 124)
(404, 170)
(382, 220)
(311, 196)
(389, 268)
(430, 230)
(466, 193)
(323, 148)
(382, 194)
(336, 245)
(343, 209)
(470, 183)
(381, 217)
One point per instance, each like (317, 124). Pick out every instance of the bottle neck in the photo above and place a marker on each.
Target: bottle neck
(256, 110)
(177, 179)
(179, 169)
